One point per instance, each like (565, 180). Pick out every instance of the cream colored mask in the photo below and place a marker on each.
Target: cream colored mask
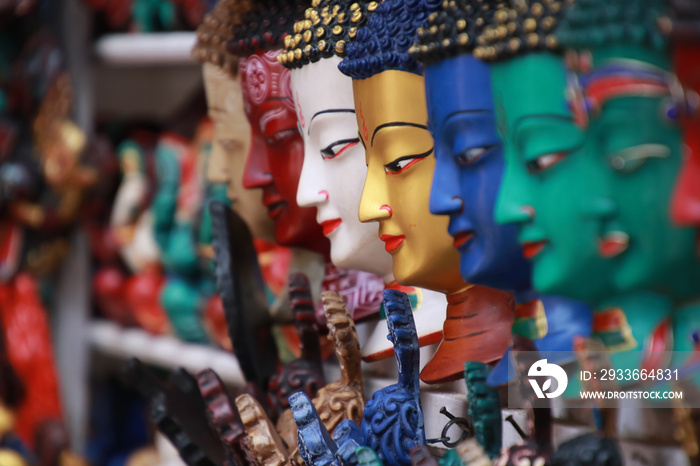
(392, 119)
(230, 148)
(334, 166)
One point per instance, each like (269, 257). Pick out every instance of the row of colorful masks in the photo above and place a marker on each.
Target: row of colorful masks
(513, 167)
(509, 164)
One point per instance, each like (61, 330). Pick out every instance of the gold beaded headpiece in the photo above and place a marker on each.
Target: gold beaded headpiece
(216, 30)
(325, 31)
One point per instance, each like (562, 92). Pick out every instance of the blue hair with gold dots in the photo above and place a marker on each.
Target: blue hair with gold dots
(384, 42)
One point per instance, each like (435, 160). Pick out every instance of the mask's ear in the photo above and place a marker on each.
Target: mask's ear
(304, 373)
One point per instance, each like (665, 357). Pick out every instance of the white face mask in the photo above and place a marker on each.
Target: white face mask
(334, 167)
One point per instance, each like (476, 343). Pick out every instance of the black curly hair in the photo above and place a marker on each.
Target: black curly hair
(384, 42)
(264, 27)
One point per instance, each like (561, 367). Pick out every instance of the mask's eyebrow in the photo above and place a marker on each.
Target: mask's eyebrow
(361, 140)
(269, 116)
(459, 112)
(330, 110)
(538, 116)
(396, 123)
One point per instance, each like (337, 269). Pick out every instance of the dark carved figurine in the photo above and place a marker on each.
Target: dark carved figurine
(223, 415)
(179, 411)
(304, 373)
(241, 288)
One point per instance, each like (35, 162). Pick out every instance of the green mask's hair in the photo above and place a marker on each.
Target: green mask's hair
(326, 29)
(682, 24)
(594, 23)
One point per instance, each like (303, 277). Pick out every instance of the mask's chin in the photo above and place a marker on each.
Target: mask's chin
(473, 267)
(547, 276)
(288, 233)
(631, 273)
(409, 271)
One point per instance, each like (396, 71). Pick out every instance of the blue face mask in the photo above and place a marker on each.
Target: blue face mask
(468, 173)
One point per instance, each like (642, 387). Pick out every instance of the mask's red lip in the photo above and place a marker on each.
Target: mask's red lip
(532, 248)
(274, 204)
(463, 237)
(275, 210)
(392, 242)
(613, 244)
(329, 226)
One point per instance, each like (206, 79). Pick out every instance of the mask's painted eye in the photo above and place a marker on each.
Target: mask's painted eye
(471, 155)
(404, 163)
(545, 162)
(280, 136)
(229, 145)
(336, 148)
(631, 158)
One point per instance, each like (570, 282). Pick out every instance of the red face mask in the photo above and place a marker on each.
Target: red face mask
(277, 151)
(685, 208)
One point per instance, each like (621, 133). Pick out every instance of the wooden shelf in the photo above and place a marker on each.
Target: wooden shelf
(169, 48)
(165, 351)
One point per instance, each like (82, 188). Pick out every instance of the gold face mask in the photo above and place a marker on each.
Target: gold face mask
(391, 117)
(230, 149)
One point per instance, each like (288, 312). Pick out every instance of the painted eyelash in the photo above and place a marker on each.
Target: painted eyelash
(413, 160)
(281, 136)
(533, 166)
(463, 161)
(631, 158)
(327, 152)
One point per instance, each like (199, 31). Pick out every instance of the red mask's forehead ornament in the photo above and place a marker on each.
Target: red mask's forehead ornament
(263, 78)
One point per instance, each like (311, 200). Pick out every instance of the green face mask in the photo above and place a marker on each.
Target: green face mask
(641, 151)
(552, 188)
